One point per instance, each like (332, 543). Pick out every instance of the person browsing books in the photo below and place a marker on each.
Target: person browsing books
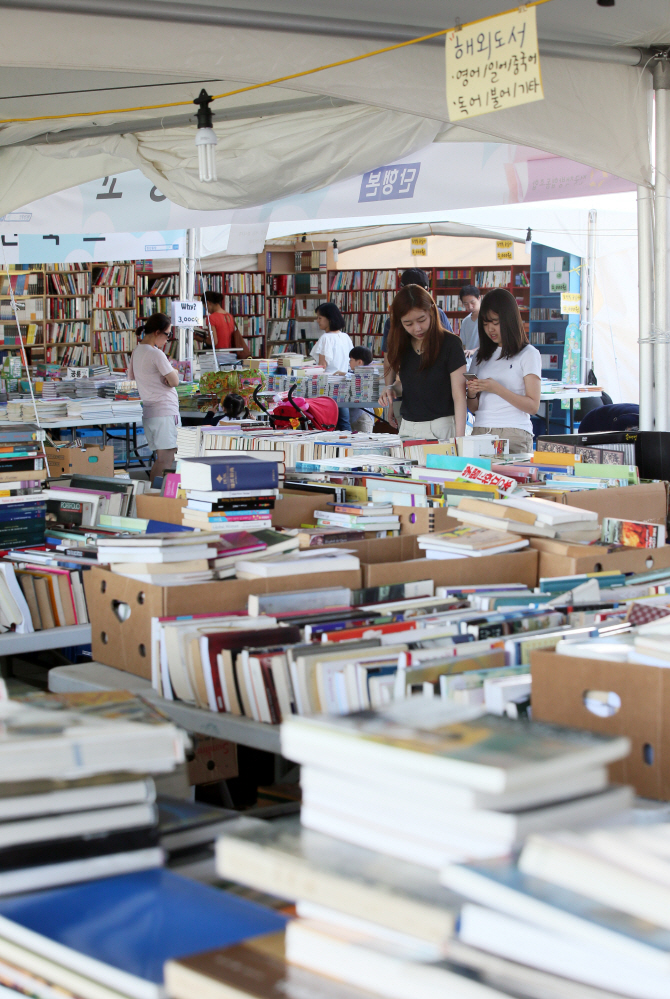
(506, 390)
(413, 275)
(156, 383)
(429, 364)
(469, 330)
(332, 349)
(361, 420)
(223, 327)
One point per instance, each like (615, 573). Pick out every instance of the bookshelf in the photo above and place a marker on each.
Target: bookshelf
(296, 281)
(114, 316)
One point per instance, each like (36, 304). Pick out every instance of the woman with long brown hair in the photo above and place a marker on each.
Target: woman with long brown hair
(429, 365)
(505, 391)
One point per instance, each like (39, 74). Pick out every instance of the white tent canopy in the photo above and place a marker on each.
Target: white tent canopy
(310, 131)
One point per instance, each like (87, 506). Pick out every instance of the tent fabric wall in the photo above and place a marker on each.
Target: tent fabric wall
(257, 160)
(594, 113)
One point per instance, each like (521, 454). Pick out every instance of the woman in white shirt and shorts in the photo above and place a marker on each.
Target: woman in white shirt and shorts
(333, 347)
(156, 383)
(508, 374)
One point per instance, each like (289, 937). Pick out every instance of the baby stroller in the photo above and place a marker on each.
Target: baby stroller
(320, 413)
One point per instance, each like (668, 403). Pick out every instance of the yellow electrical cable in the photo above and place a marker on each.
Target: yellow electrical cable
(270, 83)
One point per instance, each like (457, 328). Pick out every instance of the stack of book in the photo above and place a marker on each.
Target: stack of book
(228, 493)
(376, 519)
(383, 925)
(469, 542)
(530, 516)
(76, 798)
(167, 558)
(589, 907)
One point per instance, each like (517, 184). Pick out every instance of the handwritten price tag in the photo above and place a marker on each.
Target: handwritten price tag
(502, 482)
(493, 64)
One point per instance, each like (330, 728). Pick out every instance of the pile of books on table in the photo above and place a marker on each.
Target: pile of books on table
(392, 802)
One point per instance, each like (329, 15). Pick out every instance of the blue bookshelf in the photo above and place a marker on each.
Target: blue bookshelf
(552, 330)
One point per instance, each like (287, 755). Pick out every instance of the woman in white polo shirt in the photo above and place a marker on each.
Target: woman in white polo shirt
(506, 390)
(156, 383)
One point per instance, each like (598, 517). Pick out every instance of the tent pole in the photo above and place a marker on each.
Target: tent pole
(587, 286)
(661, 75)
(190, 284)
(645, 264)
(182, 297)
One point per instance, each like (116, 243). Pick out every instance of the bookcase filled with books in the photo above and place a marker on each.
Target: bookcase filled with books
(27, 286)
(113, 313)
(446, 284)
(552, 273)
(67, 325)
(296, 280)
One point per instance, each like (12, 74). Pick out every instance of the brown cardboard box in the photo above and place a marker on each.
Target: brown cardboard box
(214, 759)
(559, 686)
(295, 508)
(123, 639)
(559, 558)
(160, 508)
(645, 502)
(400, 560)
(424, 520)
(80, 461)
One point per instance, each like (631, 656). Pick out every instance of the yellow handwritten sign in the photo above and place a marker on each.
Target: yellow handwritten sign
(493, 64)
(419, 240)
(504, 249)
(571, 303)
(419, 251)
(419, 246)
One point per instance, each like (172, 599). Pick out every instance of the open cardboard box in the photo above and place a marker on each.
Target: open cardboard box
(648, 501)
(424, 520)
(121, 608)
(559, 686)
(295, 508)
(168, 511)
(400, 560)
(80, 461)
(560, 558)
(292, 509)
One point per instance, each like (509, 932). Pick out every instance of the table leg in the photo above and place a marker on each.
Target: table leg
(127, 446)
(548, 403)
(572, 416)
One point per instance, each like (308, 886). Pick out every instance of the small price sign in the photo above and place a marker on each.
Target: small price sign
(186, 314)
(419, 246)
(571, 303)
(504, 249)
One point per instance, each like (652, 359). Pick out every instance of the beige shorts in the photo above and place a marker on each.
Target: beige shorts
(520, 441)
(444, 428)
(161, 432)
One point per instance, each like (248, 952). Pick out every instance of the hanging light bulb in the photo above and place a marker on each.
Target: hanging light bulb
(205, 139)
(529, 240)
(335, 250)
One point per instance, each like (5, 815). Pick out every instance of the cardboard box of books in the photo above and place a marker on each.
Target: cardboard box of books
(644, 502)
(400, 560)
(121, 608)
(424, 520)
(631, 699)
(168, 511)
(562, 558)
(80, 461)
(295, 508)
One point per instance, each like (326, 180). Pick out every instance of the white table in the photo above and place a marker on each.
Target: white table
(571, 394)
(96, 676)
(127, 423)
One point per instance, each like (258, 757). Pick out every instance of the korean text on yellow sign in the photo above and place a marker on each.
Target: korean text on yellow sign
(493, 64)
(571, 303)
(504, 249)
